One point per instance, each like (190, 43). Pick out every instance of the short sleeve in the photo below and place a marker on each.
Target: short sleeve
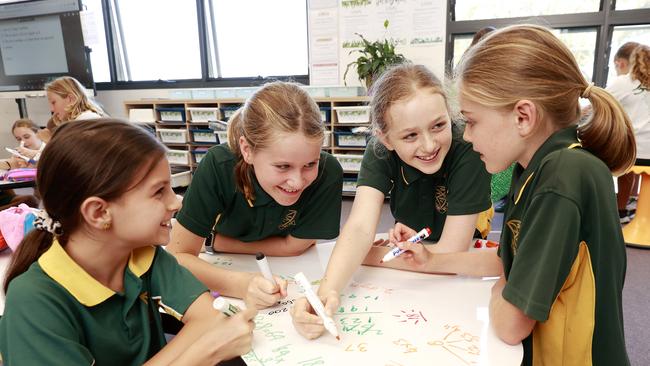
(203, 200)
(37, 329)
(174, 284)
(544, 257)
(376, 169)
(321, 216)
(468, 183)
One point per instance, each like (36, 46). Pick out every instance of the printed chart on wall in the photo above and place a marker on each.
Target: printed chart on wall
(417, 27)
(385, 317)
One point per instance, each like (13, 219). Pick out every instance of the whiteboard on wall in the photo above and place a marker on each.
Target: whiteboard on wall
(417, 27)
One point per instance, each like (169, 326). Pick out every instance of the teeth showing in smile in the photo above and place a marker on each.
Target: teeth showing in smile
(427, 157)
(289, 190)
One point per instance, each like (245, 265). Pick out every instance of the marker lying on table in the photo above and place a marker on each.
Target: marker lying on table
(264, 267)
(395, 252)
(223, 305)
(315, 302)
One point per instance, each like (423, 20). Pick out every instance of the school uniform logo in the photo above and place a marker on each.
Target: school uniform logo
(288, 220)
(514, 226)
(441, 199)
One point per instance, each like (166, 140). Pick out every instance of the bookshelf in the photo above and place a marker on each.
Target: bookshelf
(183, 126)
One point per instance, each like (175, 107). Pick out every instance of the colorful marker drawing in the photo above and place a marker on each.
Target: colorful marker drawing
(411, 315)
(463, 345)
(408, 347)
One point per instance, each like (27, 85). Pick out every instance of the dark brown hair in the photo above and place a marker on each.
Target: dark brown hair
(529, 62)
(102, 158)
(625, 51)
(276, 107)
(480, 34)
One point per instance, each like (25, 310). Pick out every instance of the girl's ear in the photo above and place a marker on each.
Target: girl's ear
(525, 112)
(383, 138)
(95, 213)
(70, 99)
(246, 150)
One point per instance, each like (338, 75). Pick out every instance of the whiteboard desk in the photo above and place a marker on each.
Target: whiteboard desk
(386, 317)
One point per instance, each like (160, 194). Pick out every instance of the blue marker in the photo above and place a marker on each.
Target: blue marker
(395, 252)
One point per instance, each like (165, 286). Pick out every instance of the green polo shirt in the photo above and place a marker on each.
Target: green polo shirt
(419, 200)
(564, 256)
(57, 314)
(213, 198)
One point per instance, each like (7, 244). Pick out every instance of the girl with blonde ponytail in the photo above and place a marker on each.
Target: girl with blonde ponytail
(561, 246)
(270, 189)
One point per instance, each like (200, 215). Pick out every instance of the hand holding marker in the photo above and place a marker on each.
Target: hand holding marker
(316, 304)
(223, 305)
(395, 252)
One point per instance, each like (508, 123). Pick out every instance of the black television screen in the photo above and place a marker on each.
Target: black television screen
(40, 41)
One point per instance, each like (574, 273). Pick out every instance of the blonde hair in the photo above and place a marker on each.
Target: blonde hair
(396, 84)
(276, 107)
(66, 86)
(529, 62)
(640, 65)
(25, 122)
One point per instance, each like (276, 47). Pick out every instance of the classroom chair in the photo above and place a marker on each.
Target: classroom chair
(637, 232)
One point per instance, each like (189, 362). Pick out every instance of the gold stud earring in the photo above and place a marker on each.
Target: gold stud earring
(106, 225)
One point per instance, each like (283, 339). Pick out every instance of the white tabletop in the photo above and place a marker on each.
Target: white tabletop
(386, 317)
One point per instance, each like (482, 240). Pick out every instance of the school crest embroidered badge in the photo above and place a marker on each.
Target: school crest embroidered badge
(288, 220)
(514, 226)
(441, 199)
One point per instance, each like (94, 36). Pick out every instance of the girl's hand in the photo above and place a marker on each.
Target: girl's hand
(233, 337)
(416, 254)
(262, 293)
(27, 152)
(400, 233)
(305, 320)
(16, 162)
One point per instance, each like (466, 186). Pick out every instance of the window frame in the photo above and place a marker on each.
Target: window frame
(114, 59)
(604, 21)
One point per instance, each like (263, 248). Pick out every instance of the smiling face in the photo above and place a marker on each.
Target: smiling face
(286, 167)
(142, 215)
(494, 135)
(419, 131)
(27, 138)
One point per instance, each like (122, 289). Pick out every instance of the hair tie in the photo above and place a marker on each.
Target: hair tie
(44, 222)
(587, 92)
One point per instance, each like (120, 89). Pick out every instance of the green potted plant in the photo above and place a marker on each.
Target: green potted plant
(375, 58)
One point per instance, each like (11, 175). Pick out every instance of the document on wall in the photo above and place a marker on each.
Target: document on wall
(416, 27)
(323, 42)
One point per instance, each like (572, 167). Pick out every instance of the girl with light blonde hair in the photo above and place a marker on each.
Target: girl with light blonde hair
(68, 101)
(561, 246)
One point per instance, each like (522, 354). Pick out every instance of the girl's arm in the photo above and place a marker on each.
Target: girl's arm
(186, 246)
(207, 337)
(509, 322)
(456, 235)
(351, 247)
(275, 246)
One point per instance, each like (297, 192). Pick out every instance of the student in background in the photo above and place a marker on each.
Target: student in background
(86, 286)
(434, 180)
(632, 89)
(561, 246)
(69, 102)
(30, 145)
(270, 189)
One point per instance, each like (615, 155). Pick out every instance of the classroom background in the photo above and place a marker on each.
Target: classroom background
(183, 54)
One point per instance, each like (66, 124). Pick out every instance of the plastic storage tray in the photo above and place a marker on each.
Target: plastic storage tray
(203, 114)
(172, 114)
(204, 135)
(172, 135)
(349, 162)
(178, 157)
(349, 139)
(353, 114)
